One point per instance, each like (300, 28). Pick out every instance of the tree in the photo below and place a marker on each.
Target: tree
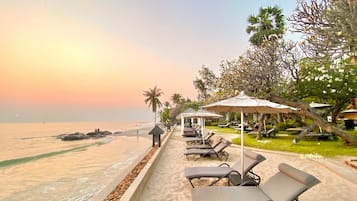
(267, 25)
(205, 83)
(177, 99)
(262, 72)
(307, 112)
(275, 70)
(228, 83)
(167, 104)
(332, 83)
(152, 99)
(329, 28)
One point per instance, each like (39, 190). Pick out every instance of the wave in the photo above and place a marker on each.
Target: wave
(17, 161)
(37, 137)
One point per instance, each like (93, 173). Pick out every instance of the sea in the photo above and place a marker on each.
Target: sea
(36, 165)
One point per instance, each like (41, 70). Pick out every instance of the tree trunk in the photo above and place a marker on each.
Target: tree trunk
(303, 133)
(155, 118)
(259, 134)
(308, 112)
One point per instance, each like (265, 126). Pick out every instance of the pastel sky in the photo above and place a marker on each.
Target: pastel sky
(91, 60)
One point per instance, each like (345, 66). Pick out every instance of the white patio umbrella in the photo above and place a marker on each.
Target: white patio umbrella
(202, 115)
(246, 104)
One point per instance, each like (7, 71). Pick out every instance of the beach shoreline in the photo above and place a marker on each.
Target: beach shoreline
(35, 165)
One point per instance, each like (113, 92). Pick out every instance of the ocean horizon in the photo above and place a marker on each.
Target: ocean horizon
(36, 165)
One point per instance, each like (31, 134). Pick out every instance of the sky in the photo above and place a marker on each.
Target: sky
(91, 60)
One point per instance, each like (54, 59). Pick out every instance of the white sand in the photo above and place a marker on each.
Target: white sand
(168, 183)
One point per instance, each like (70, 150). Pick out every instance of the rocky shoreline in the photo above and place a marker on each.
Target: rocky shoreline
(82, 136)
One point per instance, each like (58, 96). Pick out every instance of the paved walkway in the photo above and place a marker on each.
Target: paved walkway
(167, 182)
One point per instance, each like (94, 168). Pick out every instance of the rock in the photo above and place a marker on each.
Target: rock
(74, 136)
(98, 134)
(118, 132)
(82, 136)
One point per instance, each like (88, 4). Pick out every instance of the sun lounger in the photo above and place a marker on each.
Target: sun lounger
(190, 132)
(251, 159)
(199, 139)
(270, 132)
(224, 125)
(218, 151)
(286, 185)
(204, 146)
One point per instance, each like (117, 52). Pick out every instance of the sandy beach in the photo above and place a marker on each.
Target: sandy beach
(167, 182)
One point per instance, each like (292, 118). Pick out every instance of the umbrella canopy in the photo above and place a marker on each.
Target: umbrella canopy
(202, 115)
(319, 105)
(246, 104)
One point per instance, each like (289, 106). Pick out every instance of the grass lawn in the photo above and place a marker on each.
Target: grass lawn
(326, 148)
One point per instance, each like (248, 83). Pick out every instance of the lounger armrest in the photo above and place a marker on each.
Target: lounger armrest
(249, 183)
(224, 165)
(232, 172)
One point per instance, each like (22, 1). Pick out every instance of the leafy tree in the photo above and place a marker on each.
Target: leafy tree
(262, 72)
(329, 38)
(177, 99)
(228, 83)
(274, 69)
(261, 69)
(205, 83)
(165, 115)
(329, 28)
(182, 107)
(167, 104)
(267, 25)
(152, 99)
(332, 83)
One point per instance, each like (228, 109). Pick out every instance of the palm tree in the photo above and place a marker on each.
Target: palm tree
(152, 99)
(268, 25)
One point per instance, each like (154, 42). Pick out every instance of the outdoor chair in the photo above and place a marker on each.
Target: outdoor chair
(224, 125)
(204, 146)
(191, 132)
(207, 138)
(224, 170)
(218, 151)
(270, 132)
(286, 185)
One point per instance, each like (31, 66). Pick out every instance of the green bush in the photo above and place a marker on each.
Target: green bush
(282, 126)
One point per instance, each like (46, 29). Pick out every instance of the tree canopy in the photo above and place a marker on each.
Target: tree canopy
(152, 99)
(267, 25)
(317, 68)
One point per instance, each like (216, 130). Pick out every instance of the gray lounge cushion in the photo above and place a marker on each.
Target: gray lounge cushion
(200, 172)
(219, 148)
(229, 193)
(251, 159)
(288, 184)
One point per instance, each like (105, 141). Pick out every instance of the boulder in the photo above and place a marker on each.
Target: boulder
(98, 134)
(74, 136)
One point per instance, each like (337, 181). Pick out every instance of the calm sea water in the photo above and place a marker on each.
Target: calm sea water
(35, 165)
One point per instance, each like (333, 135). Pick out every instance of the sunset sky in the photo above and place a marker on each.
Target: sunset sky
(91, 60)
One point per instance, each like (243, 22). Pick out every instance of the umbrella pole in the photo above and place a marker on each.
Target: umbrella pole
(182, 124)
(242, 143)
(202, 129)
